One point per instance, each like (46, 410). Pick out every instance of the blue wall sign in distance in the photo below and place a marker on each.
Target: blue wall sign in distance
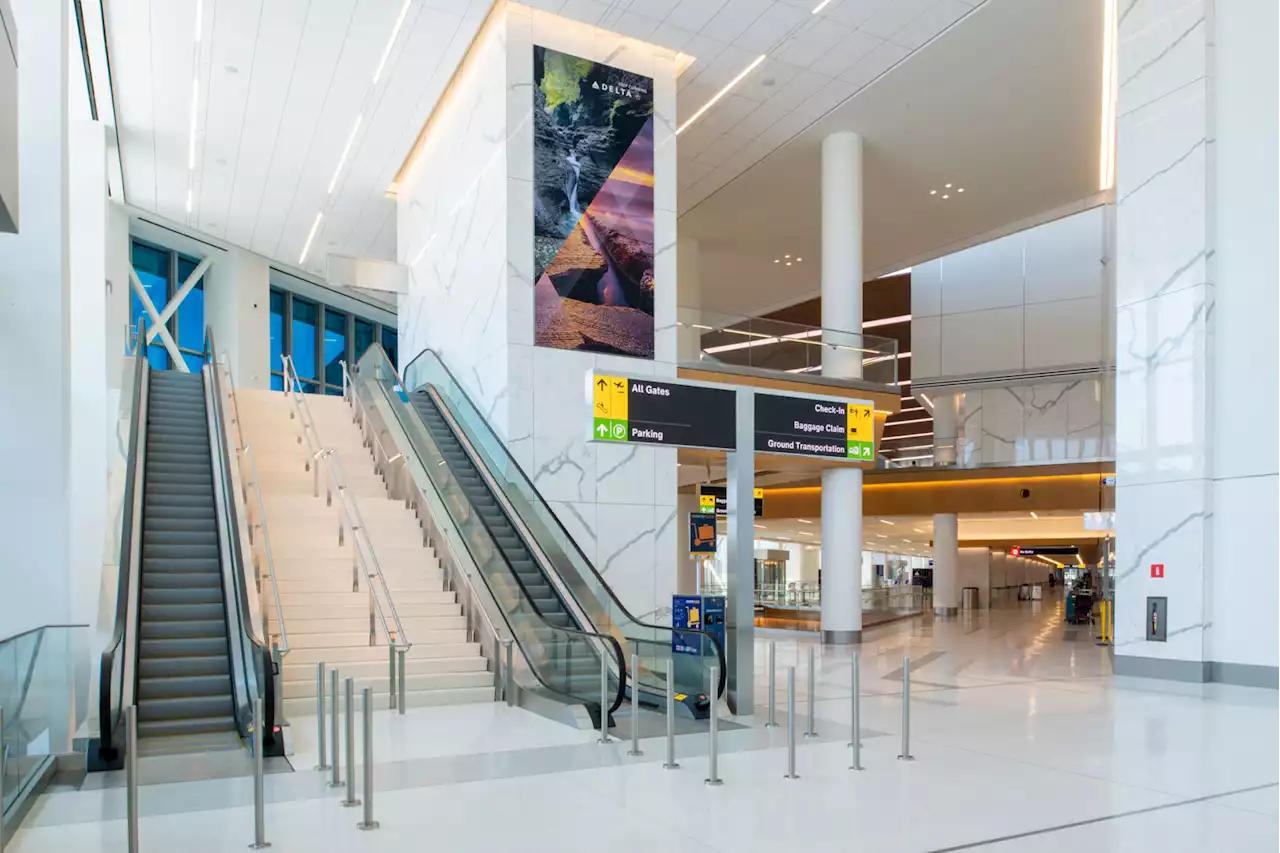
(702, 534)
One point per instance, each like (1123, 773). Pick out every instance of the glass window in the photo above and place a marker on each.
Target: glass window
(303, 338)
(152, 267)
(277, 382)
(158, 357)
(195, 361)
(335, 345)
(277, 333)
(363, 336)
(191, 311)
(389, 344)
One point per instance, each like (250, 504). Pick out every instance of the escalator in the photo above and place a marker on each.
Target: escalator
(184, 649)
(484, 490)
(184, 659)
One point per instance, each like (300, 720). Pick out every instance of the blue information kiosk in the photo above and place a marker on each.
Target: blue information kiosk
(690, 614)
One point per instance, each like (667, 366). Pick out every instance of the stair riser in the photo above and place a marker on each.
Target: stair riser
(416, 683)
(304, 707)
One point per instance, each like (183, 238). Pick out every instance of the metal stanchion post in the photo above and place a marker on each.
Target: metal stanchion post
(906, 710)
(1, 780)
(508, 690)
(635, 705)
(259, 782)
(604, 700)
(335, 780)
(131, 774)
(401, 655)
(323, 765)
(368, 822)
(773, 690)
(391, 662)
(791, 723)
(348, 691)
(670, 763)
(813, 696)
(713, 764)
(856, 714)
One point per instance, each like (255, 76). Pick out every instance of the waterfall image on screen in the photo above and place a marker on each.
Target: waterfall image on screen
(592, 206)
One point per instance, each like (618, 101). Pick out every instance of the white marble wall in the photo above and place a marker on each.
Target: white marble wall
(1044, 422)
(988, 319)
(471, 295)
(451, 231)
(1191, 482)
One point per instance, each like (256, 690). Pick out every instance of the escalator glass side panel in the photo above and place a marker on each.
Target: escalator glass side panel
(564, 655)
(446, 410)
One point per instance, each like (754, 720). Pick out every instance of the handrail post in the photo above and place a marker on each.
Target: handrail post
(508, 689)
(400, 653)
(906, 710)
(391, 662)
(813, 696)
(670, 763)
(856, 714)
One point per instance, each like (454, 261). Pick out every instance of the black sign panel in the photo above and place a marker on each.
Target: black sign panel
(669, 413)
(716, 498)
(702, 533)
(801, 426)
(1045, 550)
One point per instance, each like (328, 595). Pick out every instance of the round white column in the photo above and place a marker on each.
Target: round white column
(946, 560)
(842, 327)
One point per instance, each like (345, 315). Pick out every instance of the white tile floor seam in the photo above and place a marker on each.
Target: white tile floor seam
(1023, 740)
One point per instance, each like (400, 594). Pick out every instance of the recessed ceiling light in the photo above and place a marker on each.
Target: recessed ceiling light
(960, 189)
(804, 521)
(946, 186)
(798, 260)
(777, 260)
(881, 536)
(786, 256)
(933, 192)
(1033, 515)
(820, 7)
(788, 263)
(945, 195)
(886, 521)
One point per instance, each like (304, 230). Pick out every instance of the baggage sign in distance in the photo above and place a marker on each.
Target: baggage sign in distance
(673, 414)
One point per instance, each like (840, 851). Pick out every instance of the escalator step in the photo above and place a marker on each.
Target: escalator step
(182, 647)
(182, 612)
(210, 565)
(182, 595)
(163, 581)
(151, 537)
(185, 708)
(184, 666)
(182, 686)
(183, 630)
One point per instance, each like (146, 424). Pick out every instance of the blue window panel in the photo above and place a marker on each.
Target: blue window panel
(335, 345)
(389, 344)
(363, 336)
(303, 347)
(332, 392)
(277, 382)
(194, 362)
(310, 388)
(152, 267)
(158, 357)
(191, 311)
(277, 333)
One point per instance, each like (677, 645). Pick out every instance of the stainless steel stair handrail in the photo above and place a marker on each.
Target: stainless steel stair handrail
(396, 635)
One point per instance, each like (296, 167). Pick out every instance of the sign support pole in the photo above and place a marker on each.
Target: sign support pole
(740, 580)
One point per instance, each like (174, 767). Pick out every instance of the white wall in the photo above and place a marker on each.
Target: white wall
(465, 230)
(985, 320)
(35, 378)
(237, 306)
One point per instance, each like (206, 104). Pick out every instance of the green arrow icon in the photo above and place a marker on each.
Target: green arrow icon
(602, 430)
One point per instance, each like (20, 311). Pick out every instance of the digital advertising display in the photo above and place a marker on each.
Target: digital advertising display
(592, 206)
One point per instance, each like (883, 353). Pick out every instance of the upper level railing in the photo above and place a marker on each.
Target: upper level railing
(737, 343)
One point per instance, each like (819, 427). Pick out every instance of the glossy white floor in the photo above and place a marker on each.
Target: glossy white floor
(1022, 738)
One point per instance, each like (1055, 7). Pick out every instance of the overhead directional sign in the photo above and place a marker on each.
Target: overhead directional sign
(716, 499)
(806, 426)
(675, 414)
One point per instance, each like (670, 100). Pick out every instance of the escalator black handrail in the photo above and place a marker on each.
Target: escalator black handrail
(511, 460)
(106, 668)
(619, 657)
(262, 669)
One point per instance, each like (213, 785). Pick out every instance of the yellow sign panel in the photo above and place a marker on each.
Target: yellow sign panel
(609, 397)
(759, 493)
(862, 423)
(707, 502)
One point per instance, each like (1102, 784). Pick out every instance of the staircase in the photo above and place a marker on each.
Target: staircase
(184, 668)
(325, 619)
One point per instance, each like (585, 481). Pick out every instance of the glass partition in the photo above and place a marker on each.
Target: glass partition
(734, 341)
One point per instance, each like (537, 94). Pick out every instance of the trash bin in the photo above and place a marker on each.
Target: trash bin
(969, 598)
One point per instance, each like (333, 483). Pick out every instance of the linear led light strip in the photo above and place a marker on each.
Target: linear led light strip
(718, 95)
(195, 103)
(355, 130)
(1107, 145)
(909, 435)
